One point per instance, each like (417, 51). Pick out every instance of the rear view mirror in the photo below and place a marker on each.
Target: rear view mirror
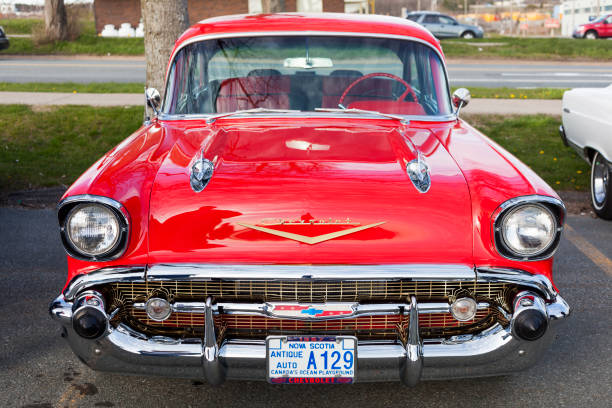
(153, 99)
(461, 97)
(308, 63)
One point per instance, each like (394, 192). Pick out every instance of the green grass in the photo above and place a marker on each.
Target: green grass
(19, 25)
(530, 48)
(85, 45)
(54, 146)
(535, 140)
(88, 42)
(95, 87)
(514, 93)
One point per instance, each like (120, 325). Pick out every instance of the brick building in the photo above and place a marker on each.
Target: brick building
(117, 12)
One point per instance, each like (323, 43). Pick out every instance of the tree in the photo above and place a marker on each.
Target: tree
(164, 21)
(273, 6)
(56, 21)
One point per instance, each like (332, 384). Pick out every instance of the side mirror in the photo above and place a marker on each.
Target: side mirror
(153, 99)
(461, 97)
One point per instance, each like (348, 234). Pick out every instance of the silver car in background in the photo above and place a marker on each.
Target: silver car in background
(443, 26)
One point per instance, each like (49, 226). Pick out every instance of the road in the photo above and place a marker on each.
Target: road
(462, 73)
(37, 368)
(519, 74)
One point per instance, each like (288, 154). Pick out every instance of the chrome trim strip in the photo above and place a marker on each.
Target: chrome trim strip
(542, 200)
(205, 37)
(435, 272)
(507, 275)
(104, 276)
(312, 115)
(266, 309)
(163, 272)
(64, 207)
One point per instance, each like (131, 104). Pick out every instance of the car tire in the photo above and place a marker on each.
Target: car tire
(468, 35)
(591, 35)
(601, 187)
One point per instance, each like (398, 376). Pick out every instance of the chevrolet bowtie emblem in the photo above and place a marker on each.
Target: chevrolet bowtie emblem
(311, 240)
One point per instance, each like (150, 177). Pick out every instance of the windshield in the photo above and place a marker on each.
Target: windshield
(306, 73)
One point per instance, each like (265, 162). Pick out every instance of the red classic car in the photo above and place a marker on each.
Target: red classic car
(305, 206)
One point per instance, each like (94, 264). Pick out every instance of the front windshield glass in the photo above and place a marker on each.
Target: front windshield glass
(306, 73)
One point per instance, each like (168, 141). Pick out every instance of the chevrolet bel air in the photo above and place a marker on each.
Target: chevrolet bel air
(304, 205)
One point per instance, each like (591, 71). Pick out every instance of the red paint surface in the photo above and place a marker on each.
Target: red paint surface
(354, 169)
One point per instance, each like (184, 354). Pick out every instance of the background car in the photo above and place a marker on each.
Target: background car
(599, 28)
(4, 42)
(443, 26)
(587, 127)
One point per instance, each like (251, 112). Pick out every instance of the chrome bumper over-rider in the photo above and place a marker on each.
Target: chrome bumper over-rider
(496, 350)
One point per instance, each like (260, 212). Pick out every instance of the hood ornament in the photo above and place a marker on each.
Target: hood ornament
(418, 171)
(307, 239)
(201, 173)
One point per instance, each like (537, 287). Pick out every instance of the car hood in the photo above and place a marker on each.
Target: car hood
(313, 193)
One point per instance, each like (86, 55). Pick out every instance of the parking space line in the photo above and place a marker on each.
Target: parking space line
(65, 396)
(589, 250)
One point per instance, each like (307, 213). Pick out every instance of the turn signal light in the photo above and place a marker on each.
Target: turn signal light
(464, 309)
(158, 309)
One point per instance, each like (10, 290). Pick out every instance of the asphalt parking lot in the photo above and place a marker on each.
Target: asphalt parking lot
(37, 368)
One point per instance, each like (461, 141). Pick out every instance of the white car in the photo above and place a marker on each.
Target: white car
(587, 127)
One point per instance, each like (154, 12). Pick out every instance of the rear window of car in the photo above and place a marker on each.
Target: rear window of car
(413, 17)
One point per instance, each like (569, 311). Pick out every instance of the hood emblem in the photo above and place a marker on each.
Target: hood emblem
(308, 239)
(418, 171)
(317, 311)
(201, 173)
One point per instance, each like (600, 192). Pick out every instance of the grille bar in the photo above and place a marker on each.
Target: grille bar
(308, 290)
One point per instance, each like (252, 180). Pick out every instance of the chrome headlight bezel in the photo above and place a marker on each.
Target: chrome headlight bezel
(550, 205)
(70, 204)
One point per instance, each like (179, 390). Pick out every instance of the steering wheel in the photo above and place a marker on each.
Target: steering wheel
(409, 89)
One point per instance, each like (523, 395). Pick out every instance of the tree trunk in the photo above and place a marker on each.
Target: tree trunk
(164, 21)
(273, 6)
(56, 21)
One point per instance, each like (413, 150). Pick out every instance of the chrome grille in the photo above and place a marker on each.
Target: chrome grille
(379, 326)
(309, 290)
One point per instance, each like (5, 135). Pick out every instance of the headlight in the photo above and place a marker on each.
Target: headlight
(527, 231)
(93, 228)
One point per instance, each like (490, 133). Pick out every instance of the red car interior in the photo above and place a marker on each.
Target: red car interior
(275, 92)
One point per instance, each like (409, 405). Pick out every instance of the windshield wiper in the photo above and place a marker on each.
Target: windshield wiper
(211, 119)
(354, 110)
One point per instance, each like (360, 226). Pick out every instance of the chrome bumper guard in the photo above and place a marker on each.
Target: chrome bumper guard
(495, 351)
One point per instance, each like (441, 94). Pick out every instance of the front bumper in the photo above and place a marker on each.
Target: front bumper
(495, 351)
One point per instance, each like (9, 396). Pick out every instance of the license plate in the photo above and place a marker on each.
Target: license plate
(311, 360)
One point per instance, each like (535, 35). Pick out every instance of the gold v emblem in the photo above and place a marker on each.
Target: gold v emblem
(311, 240)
